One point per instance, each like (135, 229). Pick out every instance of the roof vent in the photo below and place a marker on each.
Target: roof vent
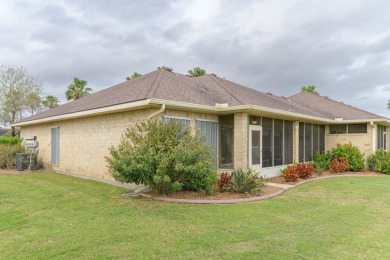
(213, 74)
(221, 105)
(189, 75)
(269, 93)
(167, 68)
(325, 96)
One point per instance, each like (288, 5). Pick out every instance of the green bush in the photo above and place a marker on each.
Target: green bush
(8, 153)
(165, 157)
(379, 161)
(322, 161)
(246, 181)
(10, 140)
(351, 153)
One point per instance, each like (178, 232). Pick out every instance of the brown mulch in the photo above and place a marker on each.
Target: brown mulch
(14, 171)
(281, 180)
(195, 195)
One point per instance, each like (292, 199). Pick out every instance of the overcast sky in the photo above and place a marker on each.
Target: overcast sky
(342, 47)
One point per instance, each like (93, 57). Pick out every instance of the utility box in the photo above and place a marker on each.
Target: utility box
(22, 161)
(26, 160)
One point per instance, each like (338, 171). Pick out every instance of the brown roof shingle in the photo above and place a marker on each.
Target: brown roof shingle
(204, 90)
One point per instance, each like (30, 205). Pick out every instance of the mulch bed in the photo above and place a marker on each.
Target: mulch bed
(194, 195)
(281, 180)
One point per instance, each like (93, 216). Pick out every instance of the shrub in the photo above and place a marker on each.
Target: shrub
(300, 170)
(165, 157)
(322, 161)
(305, 170)
(351, 153)
(379, 161)
(338, 165)
(223, 182)
(9, 147)
(246, 181)
(290, 173)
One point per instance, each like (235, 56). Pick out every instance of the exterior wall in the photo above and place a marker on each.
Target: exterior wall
(365, 142)
(84, 142)
(240, 158)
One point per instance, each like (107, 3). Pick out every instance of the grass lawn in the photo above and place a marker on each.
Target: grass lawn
(45, 215)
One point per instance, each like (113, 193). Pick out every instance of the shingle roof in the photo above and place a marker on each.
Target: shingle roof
(330, 108)
(204, 90)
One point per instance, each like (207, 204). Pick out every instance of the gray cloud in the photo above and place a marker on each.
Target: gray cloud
(339, 46)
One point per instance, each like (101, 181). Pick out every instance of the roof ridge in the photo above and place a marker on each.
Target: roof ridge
(156, 83)
(339, 102)
(227, 90)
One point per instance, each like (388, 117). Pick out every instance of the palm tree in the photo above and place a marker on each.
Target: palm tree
(197, 72)
(388, 105)
(135, 75)
(77, 89)
(50, 102)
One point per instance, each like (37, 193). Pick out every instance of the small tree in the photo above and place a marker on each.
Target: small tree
(165, 157)
(77, 89)
(135, 75)
(388, 105)
(197, 72)
(19, 94)
(309, 89)
(50, 102)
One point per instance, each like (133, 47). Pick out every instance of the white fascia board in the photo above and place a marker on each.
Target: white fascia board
(87, 113)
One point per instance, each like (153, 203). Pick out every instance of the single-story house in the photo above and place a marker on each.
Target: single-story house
(246, 127)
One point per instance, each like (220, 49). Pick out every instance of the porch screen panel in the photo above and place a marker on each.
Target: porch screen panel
(288, 142)
(308, 142)
(209, 130)
(55, 146)
(315, 139)
(267, 142)
(278, 142)
(301, 142)
(322, 138)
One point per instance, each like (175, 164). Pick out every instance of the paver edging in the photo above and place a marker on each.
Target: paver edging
(230, 201)
(258, 198)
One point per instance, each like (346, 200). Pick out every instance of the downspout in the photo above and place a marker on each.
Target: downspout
(162, 109)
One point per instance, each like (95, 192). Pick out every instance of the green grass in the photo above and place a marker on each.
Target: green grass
(56, 216)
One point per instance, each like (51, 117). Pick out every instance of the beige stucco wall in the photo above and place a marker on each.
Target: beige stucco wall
(365, 142)
(86, 141)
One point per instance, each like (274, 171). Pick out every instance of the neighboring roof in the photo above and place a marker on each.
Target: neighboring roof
(207, 90)
(330, 108)
(4, 132)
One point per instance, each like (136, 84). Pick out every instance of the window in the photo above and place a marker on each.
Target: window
(348, 128)
(311, 140)
(209, 129)
(357, 128)
(184, 121)
(55, 145)
(337, 129)
(381, 137)
(277, 142)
